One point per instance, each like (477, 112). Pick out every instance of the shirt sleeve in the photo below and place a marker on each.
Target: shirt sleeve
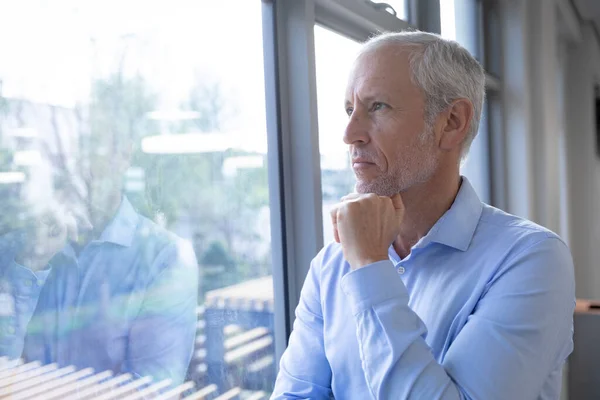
(304, 372)
(519, 332)
(19, 294)
(161, 338)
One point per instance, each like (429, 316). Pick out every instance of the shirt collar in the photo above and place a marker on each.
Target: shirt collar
(121, 229)
(456, 227)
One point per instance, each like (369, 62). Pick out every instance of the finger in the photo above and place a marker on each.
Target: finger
(83, 222)
(71, 227)
(351, 196)
(333, 214)
(49, 224)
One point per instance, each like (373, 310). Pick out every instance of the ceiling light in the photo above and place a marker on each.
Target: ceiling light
(172, 115)
(11, 177)
(194, 143)
(27, 158)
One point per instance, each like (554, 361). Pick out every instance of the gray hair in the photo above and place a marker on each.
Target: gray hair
(443, 69)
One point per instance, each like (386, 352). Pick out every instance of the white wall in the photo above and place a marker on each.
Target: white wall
(583, 65)
(516, 103)
(532, 111)
(549, 116)
(545, 129)
(551, 62)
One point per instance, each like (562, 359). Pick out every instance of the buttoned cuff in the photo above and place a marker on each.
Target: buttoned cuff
(24, 281)
(368, 286)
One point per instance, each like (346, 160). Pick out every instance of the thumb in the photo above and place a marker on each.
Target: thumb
(398, 207)
(397, 202)
(71, 227)
(336, 235)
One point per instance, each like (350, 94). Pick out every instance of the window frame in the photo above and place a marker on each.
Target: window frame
(294, 165)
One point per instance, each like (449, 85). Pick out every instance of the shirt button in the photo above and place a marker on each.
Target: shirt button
(401, 270)
(10, 330)
(40, 282)
(28, 283)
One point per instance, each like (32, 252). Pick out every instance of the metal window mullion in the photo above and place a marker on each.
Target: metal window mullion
(275, 177)
(356, 19)
(294, 159)
(425, 15)
(497, 151)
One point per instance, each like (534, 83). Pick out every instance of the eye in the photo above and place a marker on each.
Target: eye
(349, 111)
(378, 106)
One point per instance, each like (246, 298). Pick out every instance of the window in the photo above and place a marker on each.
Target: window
(460, 22)
(135, 226)
(399, 6)
(333, 68)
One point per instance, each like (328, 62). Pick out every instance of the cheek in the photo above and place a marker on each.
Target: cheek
(401, 151)
(391, 143)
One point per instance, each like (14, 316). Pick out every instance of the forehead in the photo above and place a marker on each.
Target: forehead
(385, 70)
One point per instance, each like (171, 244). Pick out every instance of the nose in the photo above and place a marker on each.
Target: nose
(357, 130)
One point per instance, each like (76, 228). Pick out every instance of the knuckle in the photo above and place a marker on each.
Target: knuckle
(344, 210)
(353, 205)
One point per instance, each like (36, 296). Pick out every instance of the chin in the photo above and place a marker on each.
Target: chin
(377, 187)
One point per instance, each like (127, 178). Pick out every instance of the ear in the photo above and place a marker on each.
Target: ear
(455, 123)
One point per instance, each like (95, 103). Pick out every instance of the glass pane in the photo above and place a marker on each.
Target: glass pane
(447, 19)
(134, 231)
(460, 22)
(492, 37)
(334, 57)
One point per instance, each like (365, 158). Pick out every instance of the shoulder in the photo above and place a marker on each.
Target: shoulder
(492, 217)
(523, 247)
(161, 248)
(519, 234)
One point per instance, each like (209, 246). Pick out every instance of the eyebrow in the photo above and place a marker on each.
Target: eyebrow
(370, 98)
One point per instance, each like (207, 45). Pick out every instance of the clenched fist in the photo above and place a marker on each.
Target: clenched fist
(48, 230)
(366, 225)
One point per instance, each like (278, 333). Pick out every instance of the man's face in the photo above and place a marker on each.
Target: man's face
(392, 149)
(107, 169)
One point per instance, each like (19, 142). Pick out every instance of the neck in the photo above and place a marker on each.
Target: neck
(102, 217)
(425, 204)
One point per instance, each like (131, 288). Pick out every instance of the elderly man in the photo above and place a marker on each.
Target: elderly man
(429, 293)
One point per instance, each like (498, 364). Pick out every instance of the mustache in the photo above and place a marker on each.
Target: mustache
(364, 155)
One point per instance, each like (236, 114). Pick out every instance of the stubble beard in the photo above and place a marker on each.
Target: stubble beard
(414, 168)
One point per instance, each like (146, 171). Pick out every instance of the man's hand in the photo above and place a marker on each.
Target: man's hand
(366, 225)
(47, 233)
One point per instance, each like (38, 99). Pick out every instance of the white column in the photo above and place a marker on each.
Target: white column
(517, 108)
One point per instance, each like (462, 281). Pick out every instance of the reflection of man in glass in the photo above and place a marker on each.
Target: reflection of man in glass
(98, 285)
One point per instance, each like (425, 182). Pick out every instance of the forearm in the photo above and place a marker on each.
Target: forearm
(397, 362)
(161, 339)
(304, 371)
(20, 292)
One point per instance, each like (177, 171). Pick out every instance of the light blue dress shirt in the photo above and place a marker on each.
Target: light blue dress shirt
(126, 303)
(482, 308)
